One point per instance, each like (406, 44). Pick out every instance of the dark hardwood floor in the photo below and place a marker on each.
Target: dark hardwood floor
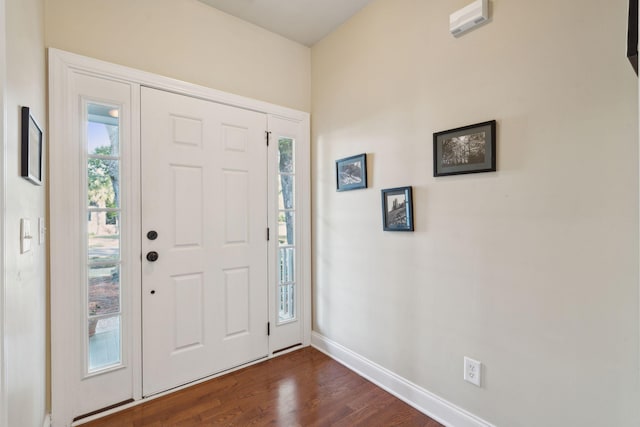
(302, 388)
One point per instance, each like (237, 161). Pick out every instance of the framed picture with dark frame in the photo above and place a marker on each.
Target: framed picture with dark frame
(31, 155)
(467, 149)
(632, 35)
(351, 173)
(397, 209)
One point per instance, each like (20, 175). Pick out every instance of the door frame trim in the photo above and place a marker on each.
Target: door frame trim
(61, 66)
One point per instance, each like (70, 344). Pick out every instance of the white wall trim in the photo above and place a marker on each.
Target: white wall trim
(47, 421)
(3, 138)
(423, 400)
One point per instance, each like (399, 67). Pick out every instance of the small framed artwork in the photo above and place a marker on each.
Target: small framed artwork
(351, 173)
(468, 149)
(31, 156)
(397, 209)
(632, 35)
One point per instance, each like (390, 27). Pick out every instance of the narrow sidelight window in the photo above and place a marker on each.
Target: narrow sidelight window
(286, 231)
(103, 291)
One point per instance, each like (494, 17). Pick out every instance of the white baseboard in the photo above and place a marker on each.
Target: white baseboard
(424, 401)
(47, 421)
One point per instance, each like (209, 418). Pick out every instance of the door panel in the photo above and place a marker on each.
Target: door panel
(236, 213)
(204, 193)
(236, 283)
(188, 320)
(187, 207)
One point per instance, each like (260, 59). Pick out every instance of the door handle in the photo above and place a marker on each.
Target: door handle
(152, 256)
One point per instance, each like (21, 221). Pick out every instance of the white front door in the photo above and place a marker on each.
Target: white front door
(204, 204)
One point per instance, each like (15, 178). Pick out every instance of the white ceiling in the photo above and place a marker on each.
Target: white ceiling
(305, 21)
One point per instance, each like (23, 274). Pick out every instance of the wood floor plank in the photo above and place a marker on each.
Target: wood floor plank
(302, 388)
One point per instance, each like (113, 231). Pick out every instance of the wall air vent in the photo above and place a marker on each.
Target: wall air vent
(469, 17)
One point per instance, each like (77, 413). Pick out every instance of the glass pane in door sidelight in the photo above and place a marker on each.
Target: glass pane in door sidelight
(104, 343)
(286, 228)
(103, 179)
(103, 130)
(104, 304)
(286, 306)
(286, 265)
(286, 191)
(104, 290)
(103, 238)
(286, 155)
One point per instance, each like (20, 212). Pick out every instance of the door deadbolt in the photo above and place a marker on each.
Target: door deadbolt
(152, 235)
(152, 256)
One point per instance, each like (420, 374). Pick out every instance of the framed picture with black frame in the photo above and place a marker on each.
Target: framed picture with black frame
(632, 35)
(351, 173)
(31, 153)
(467, 149)
(397, 209)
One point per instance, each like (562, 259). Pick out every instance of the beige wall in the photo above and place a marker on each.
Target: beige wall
(186, 40)
(25, 286)
(532, 270)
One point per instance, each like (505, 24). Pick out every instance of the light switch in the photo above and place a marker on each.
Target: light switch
(42, 231)
(25, 235)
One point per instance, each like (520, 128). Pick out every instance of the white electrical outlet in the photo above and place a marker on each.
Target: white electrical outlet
(472, 371)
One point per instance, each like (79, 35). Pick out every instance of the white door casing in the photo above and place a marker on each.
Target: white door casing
(65, 222)
(204, 194)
